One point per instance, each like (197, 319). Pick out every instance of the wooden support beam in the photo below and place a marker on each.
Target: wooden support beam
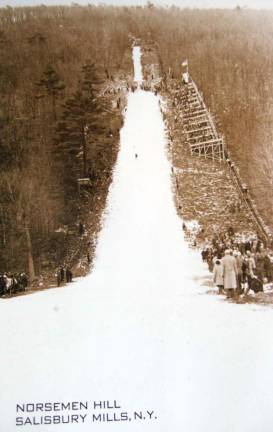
(194, 117)
(198, 130)
(211, 152)
(187, 113)
(198, 123)
(208, 143)
(196, 106)
(188, 91)
(196, 111)
(200, 136)
(190, 98)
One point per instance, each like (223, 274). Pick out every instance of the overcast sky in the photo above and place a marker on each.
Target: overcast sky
(257, 4)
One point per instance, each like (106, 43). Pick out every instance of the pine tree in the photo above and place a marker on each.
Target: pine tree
(80, 121)
(53, 86)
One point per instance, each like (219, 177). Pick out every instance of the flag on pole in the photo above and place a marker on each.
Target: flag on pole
(184, 62)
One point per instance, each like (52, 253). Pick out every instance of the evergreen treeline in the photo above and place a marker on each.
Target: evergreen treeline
(55, 123)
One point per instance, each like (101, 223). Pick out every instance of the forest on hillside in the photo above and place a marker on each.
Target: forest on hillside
(55, 121)
(230, 55)
(56, 124)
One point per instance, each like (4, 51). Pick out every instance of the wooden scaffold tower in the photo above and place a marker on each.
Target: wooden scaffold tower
(202, 137)
(198, 124)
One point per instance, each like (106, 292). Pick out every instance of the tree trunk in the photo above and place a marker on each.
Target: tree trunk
(3, 228)
(54, 107)
(31, 269)
(84, 151)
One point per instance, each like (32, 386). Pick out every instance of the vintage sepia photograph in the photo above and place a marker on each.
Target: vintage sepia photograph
(136, 228)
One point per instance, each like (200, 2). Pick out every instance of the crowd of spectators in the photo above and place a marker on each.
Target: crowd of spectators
(12, 283)
(63, 275)
(252, 257)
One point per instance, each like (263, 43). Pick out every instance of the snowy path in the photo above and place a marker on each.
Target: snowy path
(140, 329)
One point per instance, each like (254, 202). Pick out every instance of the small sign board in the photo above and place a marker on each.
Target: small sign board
(84, 181)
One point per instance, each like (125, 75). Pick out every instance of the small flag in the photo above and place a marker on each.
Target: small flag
(185, 62)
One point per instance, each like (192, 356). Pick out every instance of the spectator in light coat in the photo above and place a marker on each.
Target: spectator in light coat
(8, 280)
(230, 273)
(218, 275)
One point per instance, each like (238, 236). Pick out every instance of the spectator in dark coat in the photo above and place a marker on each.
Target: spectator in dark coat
(2, 285)
(81, 228)
(62, 274)
(58, 277)
(68, 275)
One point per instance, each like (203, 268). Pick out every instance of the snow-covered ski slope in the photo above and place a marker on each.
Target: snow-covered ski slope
(141, 328)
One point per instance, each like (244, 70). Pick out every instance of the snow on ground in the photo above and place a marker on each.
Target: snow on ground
(141, 329)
